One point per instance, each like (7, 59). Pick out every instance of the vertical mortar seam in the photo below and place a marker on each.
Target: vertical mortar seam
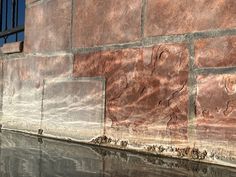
(71, 24)
(42, 104)
(2, 85)
(192, 90)
(104, 105)
(143, 16)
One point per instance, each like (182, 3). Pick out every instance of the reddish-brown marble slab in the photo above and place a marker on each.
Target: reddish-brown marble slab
(165, 17)
(216, 52)
(146, 89)
(105, 22)
(216, 107)
(47, 26)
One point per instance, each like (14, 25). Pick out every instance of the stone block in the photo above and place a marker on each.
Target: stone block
(216, 108)
(216, 52)
(146, 90)
(47, 26)
(23, 89)
(165, 17)
(74, 108)
(105, 22)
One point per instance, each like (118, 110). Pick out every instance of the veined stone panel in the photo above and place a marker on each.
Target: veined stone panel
(215, 124)
(22, 106)
(216, 52)
(23, 86)
(22, 95)
(74, 108)
(146, 91)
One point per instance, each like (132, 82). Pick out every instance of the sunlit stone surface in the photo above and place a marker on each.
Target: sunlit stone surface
(74, 108)
(23, 87)
(216, 52)
(146, 91)
(166, 17)
(22, 106)
(215, 124)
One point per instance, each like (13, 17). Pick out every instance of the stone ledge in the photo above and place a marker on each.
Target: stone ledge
(31, 1)
(15, 47)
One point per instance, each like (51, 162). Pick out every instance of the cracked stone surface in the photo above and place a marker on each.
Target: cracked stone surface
(146, 90)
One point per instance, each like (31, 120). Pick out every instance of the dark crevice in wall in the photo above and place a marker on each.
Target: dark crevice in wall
(71, 25)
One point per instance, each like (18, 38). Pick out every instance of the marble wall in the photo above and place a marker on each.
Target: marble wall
(151, 75)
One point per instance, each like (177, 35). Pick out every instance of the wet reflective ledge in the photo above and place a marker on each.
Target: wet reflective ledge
(24, 155)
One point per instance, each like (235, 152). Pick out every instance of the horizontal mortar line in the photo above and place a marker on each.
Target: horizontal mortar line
(27, 55)
(50, 54)
(143, 15)
(187, 37)
(150, 41)
(220, 70)
(135, 44)
(214, 33)
(12, 56)
(178, 38)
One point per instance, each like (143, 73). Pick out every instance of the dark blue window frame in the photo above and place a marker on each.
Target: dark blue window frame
(12, 20)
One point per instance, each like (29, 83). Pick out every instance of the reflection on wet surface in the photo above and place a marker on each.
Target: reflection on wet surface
(23, 155)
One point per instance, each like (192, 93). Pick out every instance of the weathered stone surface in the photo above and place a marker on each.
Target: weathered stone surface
(182, 16)
(216, 113)
(47, 26)
(146, 90)
(14, 47)
(216, 52)
(105, 22)
(22, 92)
(74, 108)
